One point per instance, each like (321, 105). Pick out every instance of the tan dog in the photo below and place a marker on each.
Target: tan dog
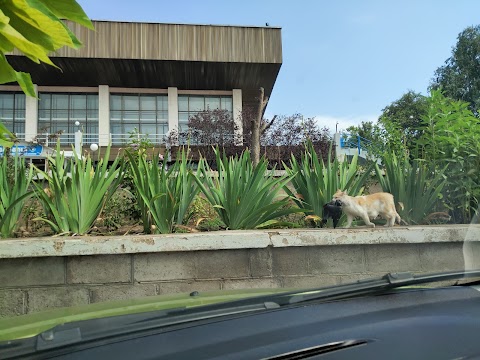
(368, 207)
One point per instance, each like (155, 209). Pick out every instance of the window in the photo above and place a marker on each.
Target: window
(147, 113)
(12, 112)
(59, 112)
(189, 105)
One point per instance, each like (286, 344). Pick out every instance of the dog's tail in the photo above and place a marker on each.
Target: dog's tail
(399, 220)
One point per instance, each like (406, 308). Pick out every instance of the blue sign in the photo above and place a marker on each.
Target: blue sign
(24, 150)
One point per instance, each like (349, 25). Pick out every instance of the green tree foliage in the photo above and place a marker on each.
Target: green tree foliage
(459, 78)
(35, 28)
(406, 114)
(452, 137)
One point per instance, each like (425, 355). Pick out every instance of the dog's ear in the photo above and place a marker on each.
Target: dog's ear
(345, 192)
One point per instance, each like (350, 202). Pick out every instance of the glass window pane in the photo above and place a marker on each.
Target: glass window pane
(227, 104)
(78, 115)
(162, 129)
(162, 115)
(92, 101)
(115, 102)
(131, 115)
(6, 114)
(60, 115)
(6, 101)
(149, 116)
(183, 117)
(20, 101)
(44, 101)
(116, 128)
(183, 103)
(92, 115)
(148, 129)
(59, 101)
(162, 102)
(212, 103)
(130, 102)
(19, 114)
(148, 103)
(196, 103)
(115, 115)
(78, 101)
(127, 128)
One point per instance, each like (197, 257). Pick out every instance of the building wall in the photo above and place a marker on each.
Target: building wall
(64, 272)
(180, 42)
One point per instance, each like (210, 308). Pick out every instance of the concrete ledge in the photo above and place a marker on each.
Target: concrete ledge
(230, 240)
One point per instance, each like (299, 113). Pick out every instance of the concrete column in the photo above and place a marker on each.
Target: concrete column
(237, 116)
(31, 116)
(172, 109)
(103, 115)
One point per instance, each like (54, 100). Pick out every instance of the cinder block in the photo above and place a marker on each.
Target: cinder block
(176, 287)
(121, 292)
(393, 257)
(164, 266)
(251, 284)
(261, 262)
(32, 271)
(48, 298)
(222, 264)
(290, 261)
(12, 303)
(309, 282)
(341, 259)
(99, 269)
(441, 257)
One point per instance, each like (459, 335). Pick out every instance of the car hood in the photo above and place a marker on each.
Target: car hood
(32, 324)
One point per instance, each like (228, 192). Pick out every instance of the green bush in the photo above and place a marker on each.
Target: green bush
(163, 195)
(77, 191)
(315, 181)
(15, 179)
(413, 184)
(244, 196)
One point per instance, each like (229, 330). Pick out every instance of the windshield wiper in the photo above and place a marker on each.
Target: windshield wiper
(379, 285)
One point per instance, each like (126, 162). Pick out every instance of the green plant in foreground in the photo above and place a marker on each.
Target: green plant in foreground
(163, 196)
(243, 195)
(412, 184)
(77, 191)
(14, 190)
(315, 181)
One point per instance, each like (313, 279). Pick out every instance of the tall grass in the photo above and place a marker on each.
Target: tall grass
(414, 184)
(163, 195)
(15, 179)
(77, 191)
(244, 196)
(315, 181)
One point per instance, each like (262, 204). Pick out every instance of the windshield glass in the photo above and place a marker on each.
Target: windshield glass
(187, 154)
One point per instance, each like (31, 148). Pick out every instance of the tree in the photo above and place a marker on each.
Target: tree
(406, 113)
(367, 130)
(212, 127)
(258, 126)
(459, 78)
(35, 28)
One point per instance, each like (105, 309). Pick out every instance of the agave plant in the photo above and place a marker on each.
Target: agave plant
(315, 181)
(15, 179)
(412, 184)
(77, 191)
(163, 195)
(244, 196)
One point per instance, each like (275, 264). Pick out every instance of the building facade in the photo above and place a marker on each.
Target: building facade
(147, 76)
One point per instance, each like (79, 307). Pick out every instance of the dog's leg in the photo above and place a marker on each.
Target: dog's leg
(366, 220)
(349, 221)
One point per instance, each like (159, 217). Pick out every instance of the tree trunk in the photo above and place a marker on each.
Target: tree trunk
(259, 127)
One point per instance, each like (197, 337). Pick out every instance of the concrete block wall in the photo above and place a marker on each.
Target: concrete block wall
(41, 275)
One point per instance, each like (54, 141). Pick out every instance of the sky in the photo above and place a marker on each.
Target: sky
(343, 60)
